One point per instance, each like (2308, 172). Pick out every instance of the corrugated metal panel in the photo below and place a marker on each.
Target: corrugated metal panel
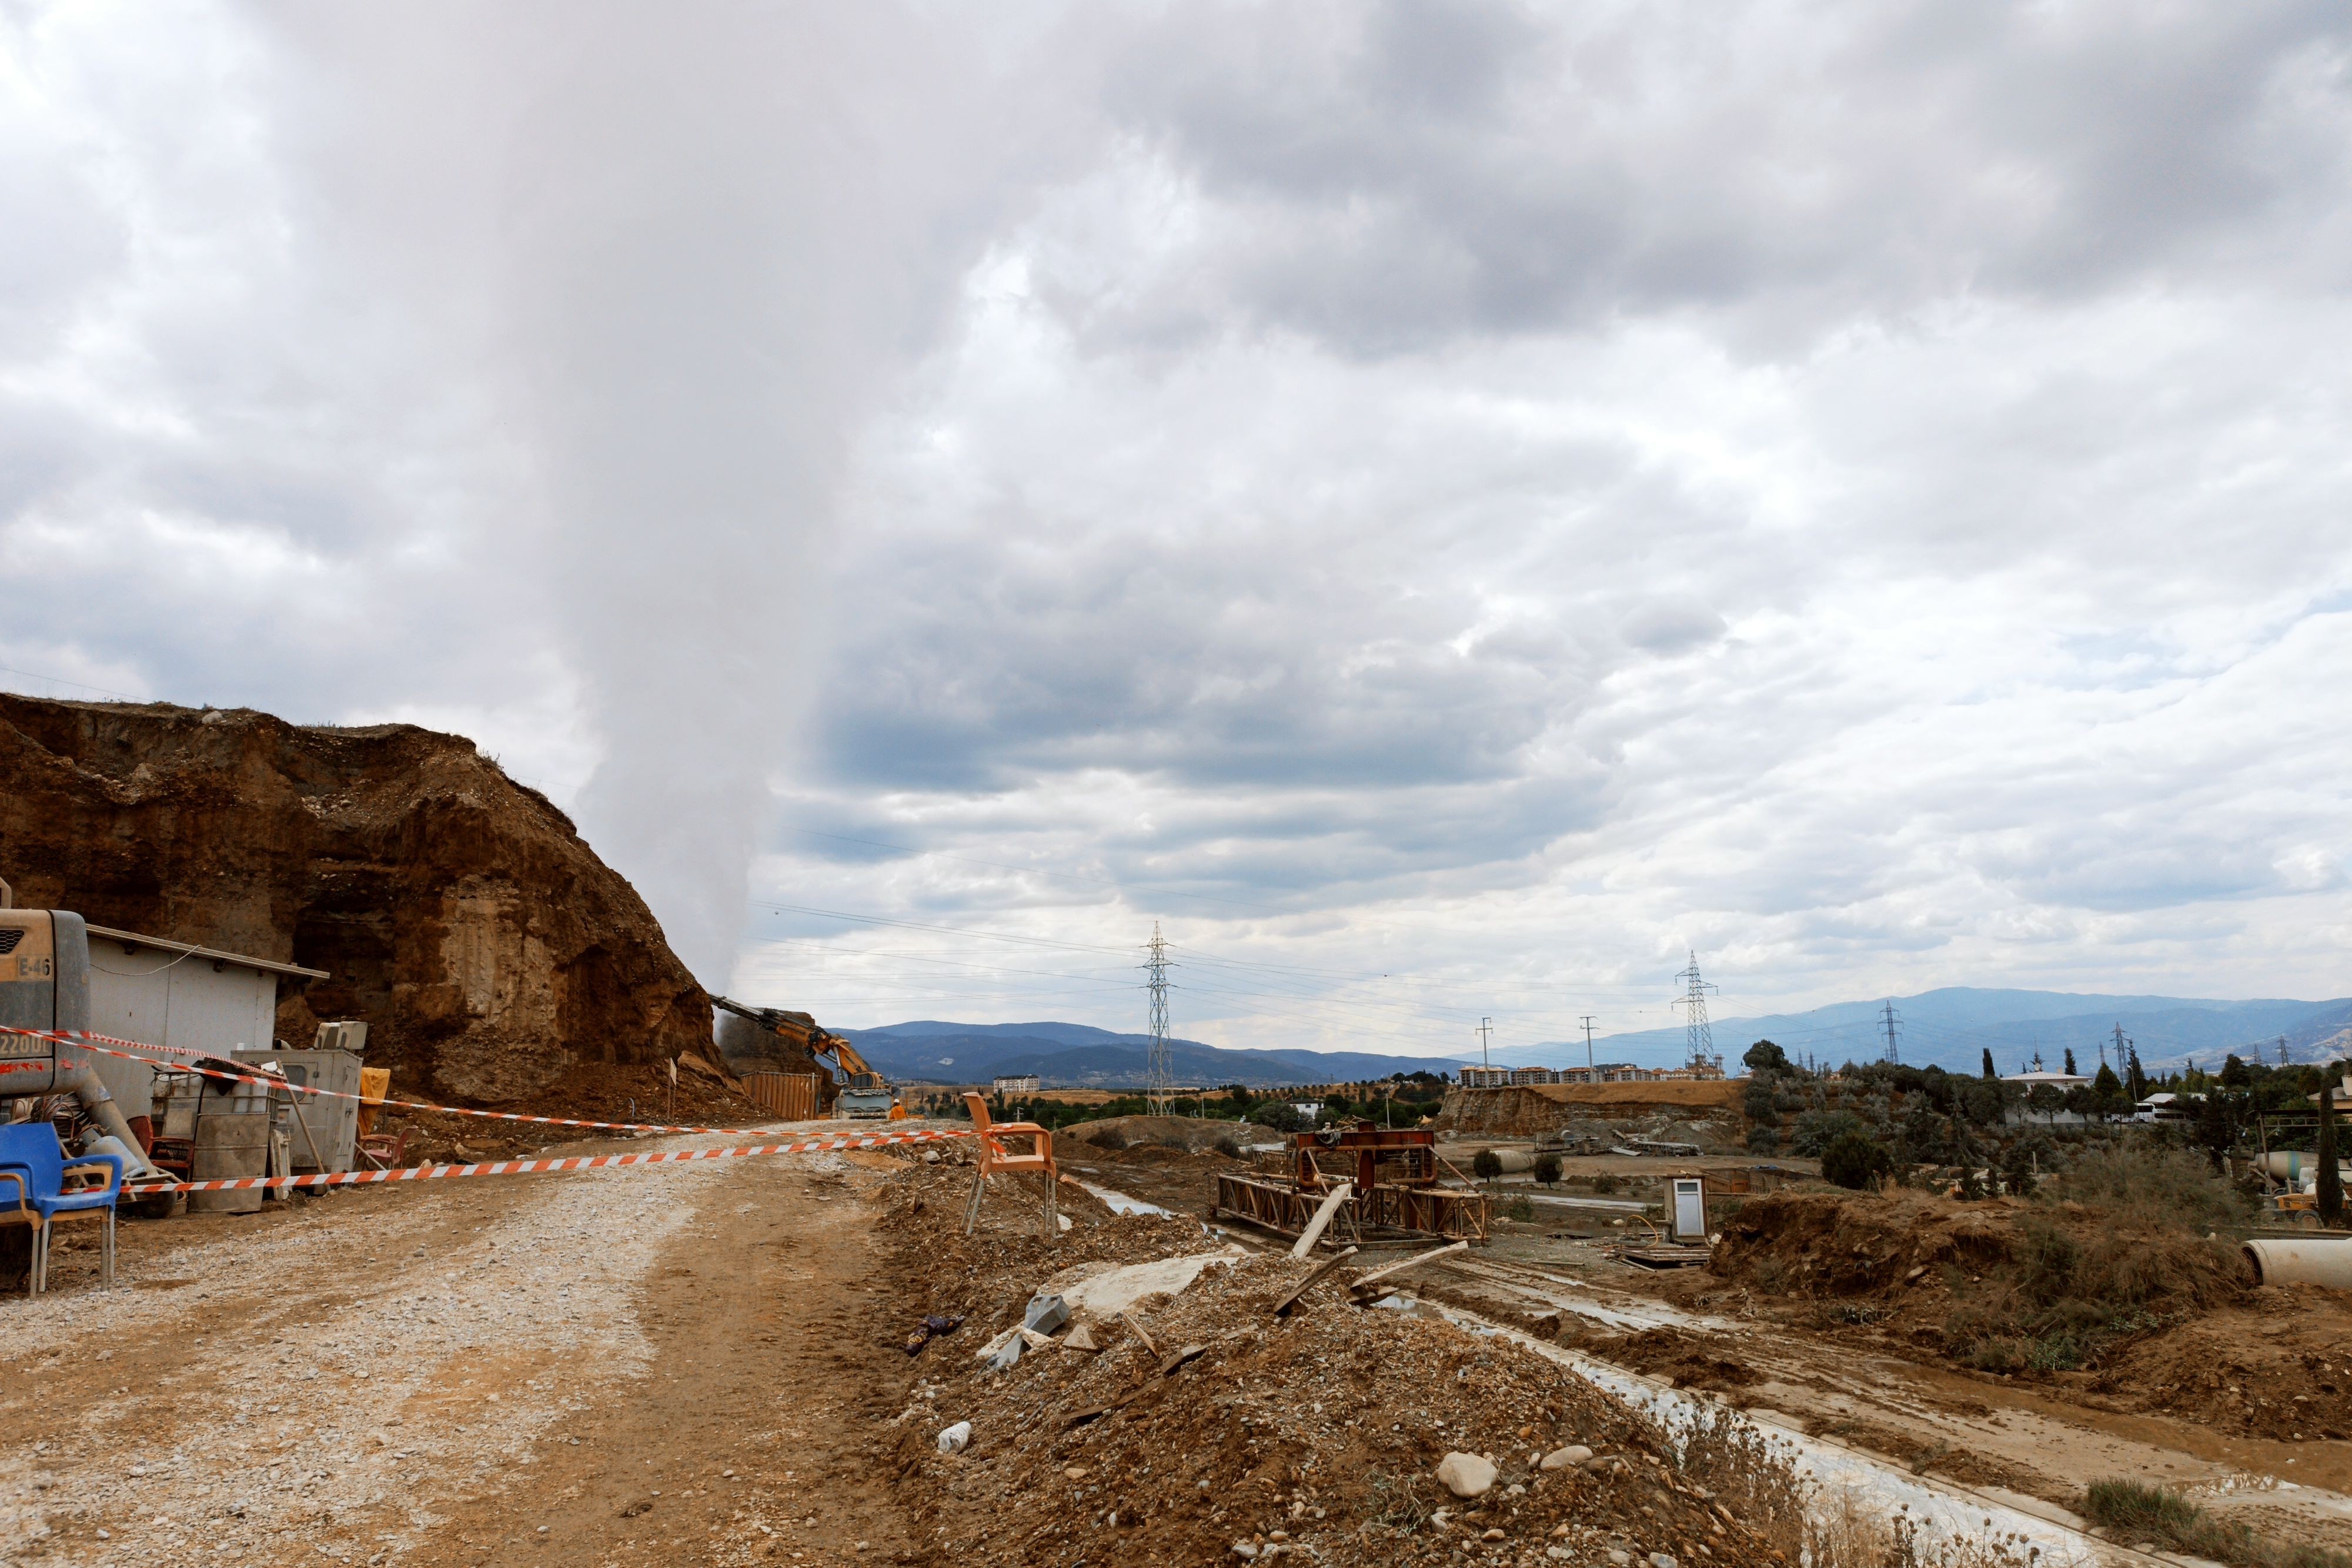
(787, 1096)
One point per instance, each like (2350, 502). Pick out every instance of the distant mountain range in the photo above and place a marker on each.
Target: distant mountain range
(1950, 1028)
(1074, 1056)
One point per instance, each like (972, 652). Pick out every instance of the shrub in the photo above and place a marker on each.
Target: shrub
(1487, 1164)
(2136, 1512)
(1521, 1209)
(1547, 1168)
(1817, 1130)
(1605, 1183)
(1851, 1160)
(2168, 1187)
(1763, 1140)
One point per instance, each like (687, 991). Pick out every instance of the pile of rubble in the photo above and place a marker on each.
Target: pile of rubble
(1160, 1409)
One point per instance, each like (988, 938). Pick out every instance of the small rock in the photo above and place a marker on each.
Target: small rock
(953, 1439)
(1495, 1535)
(1620, 1557)
(1660, 1560)
(1561, 1458)
(1245, 1549)
(1278, 1535)
(1080, 1338)
(1075, 1472)
(1515, 1489)
(1466, 1474)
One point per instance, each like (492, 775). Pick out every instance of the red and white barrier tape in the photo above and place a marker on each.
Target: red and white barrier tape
(525, 1168)
(84, 1041)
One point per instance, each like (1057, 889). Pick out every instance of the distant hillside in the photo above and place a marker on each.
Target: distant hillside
(1950, 1028)
(1074, 1056)
(1953, 1027)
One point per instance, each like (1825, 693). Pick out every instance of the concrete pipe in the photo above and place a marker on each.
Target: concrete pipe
(1514, 1161)
(2323, 1260)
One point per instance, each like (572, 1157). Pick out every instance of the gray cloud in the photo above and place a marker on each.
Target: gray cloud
(1457, 504)
(1389, 176)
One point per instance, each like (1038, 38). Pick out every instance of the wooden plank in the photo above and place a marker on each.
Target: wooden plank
(1321, 1268)
(1314, 1227)
(1378, 1274)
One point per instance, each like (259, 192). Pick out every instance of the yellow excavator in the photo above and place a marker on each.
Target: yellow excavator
(860, 1093)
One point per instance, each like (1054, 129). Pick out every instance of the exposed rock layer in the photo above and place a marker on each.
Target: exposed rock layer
(456, 911)
(1534, 1109)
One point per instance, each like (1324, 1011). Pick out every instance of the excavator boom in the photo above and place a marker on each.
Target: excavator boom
(863, 1092)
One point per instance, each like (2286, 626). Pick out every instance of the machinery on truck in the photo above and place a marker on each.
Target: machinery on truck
(860, 1093)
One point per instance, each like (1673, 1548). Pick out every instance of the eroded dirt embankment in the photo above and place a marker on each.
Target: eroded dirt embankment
(457, 912)
(2126, 1309)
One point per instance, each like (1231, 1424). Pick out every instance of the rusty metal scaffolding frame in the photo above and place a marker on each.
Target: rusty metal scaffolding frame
(1423, 1210)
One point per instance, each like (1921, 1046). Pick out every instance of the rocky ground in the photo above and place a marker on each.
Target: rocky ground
(705, 1362)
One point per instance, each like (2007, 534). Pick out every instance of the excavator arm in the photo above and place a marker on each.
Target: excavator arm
(850, 1072)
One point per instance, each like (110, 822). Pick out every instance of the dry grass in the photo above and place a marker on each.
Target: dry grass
(2136, 1514)
(1757, 1478)
(2129, 1240)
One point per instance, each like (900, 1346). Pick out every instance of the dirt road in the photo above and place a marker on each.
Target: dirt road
(669, 1365)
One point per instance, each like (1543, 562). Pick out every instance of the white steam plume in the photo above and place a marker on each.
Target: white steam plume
(711, 234)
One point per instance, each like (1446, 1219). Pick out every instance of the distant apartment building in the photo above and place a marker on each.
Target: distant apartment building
(1483, 1077)
(1018, 1083)
(1534, 1075)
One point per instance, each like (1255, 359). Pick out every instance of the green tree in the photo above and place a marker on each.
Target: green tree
(2234, 1073)
(1766, 1057)
(1487, 1164)
(1990, 1074)
(1984, 1101)
(1851, 1160)
(2216, 1128)
(1547, 1169)
(2331, 1180)
(2135, 1078)
(2070, 1062)
(2108, 1090)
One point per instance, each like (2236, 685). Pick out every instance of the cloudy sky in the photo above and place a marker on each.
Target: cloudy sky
(1446, 508)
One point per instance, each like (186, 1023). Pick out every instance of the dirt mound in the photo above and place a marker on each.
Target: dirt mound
(1843, 1244)
(2004, 1285)
(455, 911)
(1164, 1132)
(1316, 1435)
(2275, 1367)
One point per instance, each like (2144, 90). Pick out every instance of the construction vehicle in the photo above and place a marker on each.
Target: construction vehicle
(860, 1093)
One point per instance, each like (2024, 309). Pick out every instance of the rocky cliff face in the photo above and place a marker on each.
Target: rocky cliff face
(457, 912)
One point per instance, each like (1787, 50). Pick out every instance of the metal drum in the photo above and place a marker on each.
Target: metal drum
(230, 1144)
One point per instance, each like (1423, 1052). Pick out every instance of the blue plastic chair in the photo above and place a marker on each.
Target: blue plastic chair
(34, 1162)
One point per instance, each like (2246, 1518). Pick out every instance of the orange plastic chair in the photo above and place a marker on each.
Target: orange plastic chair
(995, 1157)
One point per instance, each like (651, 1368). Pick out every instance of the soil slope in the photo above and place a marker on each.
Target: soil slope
(456, 911)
